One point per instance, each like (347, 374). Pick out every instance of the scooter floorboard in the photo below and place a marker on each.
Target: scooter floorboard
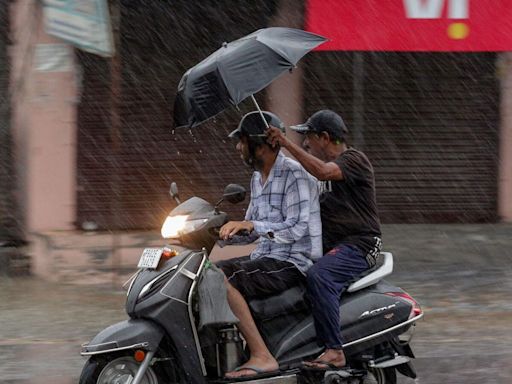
(296, 376)
(279, 377)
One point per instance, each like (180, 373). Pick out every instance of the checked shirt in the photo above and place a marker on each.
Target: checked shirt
(286, 206)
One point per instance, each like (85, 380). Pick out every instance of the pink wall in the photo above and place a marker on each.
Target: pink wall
(284, 96)
(44, 123)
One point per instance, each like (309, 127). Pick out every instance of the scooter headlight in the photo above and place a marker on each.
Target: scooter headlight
(175, 226)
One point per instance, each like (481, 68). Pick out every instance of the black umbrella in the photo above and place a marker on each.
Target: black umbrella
(238, 70)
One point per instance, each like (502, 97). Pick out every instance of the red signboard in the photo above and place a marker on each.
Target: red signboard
(412, 25)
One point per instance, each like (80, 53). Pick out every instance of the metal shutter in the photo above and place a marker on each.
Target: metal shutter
(160, 40)
(428, 122)
(10, 215)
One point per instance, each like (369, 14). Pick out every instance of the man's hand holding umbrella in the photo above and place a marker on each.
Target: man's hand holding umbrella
(277, 137)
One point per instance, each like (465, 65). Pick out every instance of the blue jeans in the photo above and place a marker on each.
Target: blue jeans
(327, 279)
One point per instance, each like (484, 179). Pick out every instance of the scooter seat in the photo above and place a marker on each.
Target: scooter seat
(293, 300)
(289, 301)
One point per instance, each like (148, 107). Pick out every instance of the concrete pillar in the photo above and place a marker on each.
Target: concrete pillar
(284, 96)
(505, 139)
(44, 98)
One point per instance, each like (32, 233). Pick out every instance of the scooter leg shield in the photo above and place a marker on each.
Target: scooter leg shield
(128, 334)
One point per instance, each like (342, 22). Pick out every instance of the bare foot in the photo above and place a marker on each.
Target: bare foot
(254, 366)
(331, 358)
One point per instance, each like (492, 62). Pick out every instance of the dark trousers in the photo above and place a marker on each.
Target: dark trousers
(327, 279)
(261, 277)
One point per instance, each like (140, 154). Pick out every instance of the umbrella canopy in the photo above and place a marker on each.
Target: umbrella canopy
(238, 70)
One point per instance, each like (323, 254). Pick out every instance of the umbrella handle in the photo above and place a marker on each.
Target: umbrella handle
(259, 110)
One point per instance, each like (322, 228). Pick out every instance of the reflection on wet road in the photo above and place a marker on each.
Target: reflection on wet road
(465, 337)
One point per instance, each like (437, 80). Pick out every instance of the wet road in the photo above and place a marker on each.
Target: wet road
(465, 337)
(460, 274)
(44, 324)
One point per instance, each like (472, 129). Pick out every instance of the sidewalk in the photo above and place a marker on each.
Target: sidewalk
(87, 258)
(109, 259)
(445, 244)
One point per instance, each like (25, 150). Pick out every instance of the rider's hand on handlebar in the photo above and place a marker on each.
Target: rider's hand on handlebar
(229, 229)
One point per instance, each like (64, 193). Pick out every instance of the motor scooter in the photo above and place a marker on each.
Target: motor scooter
(162, 342)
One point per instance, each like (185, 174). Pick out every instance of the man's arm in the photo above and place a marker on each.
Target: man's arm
(298, 197)
(230, 229)
(295, 225)
(318, 168)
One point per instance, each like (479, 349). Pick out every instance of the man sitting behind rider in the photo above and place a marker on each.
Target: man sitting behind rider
(284, 210)
(350, 223)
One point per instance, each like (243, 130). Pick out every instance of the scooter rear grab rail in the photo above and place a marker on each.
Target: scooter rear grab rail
(374, 277)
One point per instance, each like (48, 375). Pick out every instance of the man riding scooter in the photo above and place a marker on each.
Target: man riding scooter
(350, 222)
(284, 204)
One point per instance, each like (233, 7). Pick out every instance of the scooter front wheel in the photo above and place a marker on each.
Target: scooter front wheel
(114, 370)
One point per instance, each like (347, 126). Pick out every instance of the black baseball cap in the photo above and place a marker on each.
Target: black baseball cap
(324, 121)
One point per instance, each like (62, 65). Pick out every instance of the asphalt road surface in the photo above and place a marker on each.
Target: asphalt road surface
(464, 338)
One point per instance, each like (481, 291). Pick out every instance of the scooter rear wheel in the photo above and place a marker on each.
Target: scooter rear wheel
(381, 376)
(116, 370)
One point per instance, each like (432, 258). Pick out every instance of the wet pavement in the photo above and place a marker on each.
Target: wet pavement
(43, 325)
(461, 275)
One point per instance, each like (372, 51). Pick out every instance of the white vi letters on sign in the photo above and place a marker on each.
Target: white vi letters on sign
(433, 9)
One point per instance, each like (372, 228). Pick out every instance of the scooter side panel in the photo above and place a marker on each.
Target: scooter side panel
(370, 311)
(169, 307)
(292, 336)
(180, 331)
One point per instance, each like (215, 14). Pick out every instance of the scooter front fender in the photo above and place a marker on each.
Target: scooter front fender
(128, 334)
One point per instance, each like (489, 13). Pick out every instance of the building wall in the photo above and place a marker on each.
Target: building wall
(429, 123)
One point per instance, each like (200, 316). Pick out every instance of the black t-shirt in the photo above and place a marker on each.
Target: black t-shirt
(348, 206)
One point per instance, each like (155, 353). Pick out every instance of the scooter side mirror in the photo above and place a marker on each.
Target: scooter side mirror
(173, 191)
(234, 193)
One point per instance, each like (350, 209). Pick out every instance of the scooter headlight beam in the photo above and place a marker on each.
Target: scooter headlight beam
(173, 226)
